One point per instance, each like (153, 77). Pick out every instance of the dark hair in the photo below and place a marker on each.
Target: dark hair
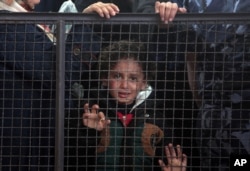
(124, 49)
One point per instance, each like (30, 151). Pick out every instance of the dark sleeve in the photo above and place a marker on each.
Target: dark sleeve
(26, 50)
(146, 6)
(34, 55)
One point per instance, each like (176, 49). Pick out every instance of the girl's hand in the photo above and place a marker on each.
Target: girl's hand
(176, 160)
(103, 9)
(94, 119)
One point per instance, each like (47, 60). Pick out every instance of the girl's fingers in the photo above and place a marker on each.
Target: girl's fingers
(184, 160)
(168, 154)
(86, 108)
(172, 151)
(103, 119)
(91, 117)
(101, 116)
(162, 164)
(95, 108)
(179, 152)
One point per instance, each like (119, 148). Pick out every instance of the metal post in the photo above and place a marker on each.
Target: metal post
(60, 96)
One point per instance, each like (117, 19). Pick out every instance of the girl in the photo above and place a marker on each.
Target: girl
(124, 112)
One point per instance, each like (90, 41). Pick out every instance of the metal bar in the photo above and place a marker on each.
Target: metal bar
(60, 96)
(122, 18)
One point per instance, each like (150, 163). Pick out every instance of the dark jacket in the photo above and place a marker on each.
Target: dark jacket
(223, 83)
(28, 89)
(135, 147)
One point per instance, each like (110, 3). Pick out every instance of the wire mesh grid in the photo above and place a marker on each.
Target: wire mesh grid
(109, 95)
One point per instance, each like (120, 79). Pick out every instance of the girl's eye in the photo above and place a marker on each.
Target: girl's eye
(133, 78)
(117, 76)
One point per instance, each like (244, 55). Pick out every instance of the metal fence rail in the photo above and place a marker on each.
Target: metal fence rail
(201, 89)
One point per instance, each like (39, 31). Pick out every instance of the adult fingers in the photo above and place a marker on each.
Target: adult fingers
(108, 10)
(114, 8)
(173, 10)
(96, 7)
(105, 9)
(157, 6)
(182, 10)
(166, 10)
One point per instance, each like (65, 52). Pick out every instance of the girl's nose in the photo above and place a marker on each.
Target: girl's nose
(124, 83)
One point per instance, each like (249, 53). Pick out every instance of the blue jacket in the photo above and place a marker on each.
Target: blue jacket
(28, 88)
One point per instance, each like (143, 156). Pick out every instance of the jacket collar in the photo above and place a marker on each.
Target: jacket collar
(142, 96)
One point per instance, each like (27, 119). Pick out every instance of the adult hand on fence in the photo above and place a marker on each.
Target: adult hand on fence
(177, 161)
(102, 9)
(168, 10)
(92, 118)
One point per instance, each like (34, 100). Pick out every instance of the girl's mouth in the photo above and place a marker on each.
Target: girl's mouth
(123, 94)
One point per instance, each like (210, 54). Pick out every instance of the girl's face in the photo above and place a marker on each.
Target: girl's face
(125, 81)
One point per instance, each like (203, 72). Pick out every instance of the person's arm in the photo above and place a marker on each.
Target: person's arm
(26, 49)
(192, 81)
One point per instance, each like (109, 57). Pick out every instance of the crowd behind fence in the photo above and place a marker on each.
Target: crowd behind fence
(200, 91)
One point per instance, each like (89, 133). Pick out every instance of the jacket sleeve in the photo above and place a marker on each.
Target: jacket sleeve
(25, 49)
(82, 4)
(146, 6)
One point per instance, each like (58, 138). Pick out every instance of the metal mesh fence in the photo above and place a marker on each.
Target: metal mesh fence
(110, 94)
